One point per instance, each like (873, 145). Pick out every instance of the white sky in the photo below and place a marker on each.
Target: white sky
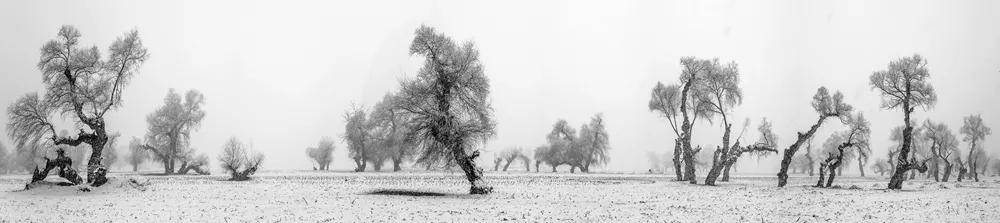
(281, 74)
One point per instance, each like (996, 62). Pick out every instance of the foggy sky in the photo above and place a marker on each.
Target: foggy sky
(281, 74)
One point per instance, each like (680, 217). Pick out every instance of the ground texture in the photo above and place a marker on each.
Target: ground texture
(545, 197)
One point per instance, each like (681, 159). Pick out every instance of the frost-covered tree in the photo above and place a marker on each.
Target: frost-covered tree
(390, 132)
(169, 128)
(720, 92)
(904, 86)
(725, 158)
(357, 134)
(545, 154)
(842, 146)
(449, 104)
(666, 101)
(827, 107)
(137, 154)
(561, 140)
(82, 87)
(692, 75)
(593, 145)
(974, 131)
(322, 154)
(882, 166)
(944, 143)
(509, 155)
(238, 160)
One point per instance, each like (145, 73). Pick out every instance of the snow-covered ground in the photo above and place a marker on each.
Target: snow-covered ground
(348, 197)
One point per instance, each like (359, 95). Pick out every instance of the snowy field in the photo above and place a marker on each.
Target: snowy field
(546, 197)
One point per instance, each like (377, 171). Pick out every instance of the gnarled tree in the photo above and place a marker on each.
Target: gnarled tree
(842, 145)
(79, 85)
(357, 134)
(137, 154)
(720, 91)
(449, 104)
(237, 160)
(692, 75)
(904, 86)
(827, 107)
(943, 145)
(592, 146)
(390, 129)
(725, 158)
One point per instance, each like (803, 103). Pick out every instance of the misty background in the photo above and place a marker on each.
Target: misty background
(281, 75)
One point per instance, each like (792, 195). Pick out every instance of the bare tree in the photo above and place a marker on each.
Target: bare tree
(975, 131)
(322, 154)
(357, 134)
(904, 86)
(719, 91)
(842, 145)
(509, 155)
(827, 107)
(237, 160)
(137, 154)
(82, 87)
(666, 100)
(449, 104)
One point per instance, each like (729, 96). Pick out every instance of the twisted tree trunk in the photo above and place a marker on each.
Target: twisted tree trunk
(677, 160)
(790, 151)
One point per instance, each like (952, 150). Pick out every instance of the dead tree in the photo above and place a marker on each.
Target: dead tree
(237, 160)
(974, 131)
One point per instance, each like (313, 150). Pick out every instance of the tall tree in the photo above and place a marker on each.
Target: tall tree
(666, 100)
(974, 131)
(561, 141)
(827, 107)
(168, 135)
(904, 86)
(82, 87)
(449, 103)
(322, 154)
(137, 154)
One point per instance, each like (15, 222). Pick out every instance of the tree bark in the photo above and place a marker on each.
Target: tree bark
(896, 181)
(725, 173)
(472, 173)
(947, 172)
(677, 160)
(790, 151)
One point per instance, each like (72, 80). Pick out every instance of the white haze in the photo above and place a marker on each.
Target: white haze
(281, 74)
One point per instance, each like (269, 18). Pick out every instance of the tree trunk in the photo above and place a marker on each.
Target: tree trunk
(961, 172)
(396, 165)
(472, 173)
(822, 175)
(896, 182)
(861, 167)
(833, 173)
(537, 164)
(718, 160)
(790, 151)
(725, 173)
(677, 160)
(505, 166)
(527, 166)
(947, 172)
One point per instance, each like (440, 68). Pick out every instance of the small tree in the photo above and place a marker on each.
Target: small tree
(390, 129)
(512, 154)
(237, 160)
(975, 131)
(322, 154)
(593, 144)
(357, 134)
(843, 145)
(727, 157)
(137, 154)
(943, 145)
(827, 107)
(904, 86)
